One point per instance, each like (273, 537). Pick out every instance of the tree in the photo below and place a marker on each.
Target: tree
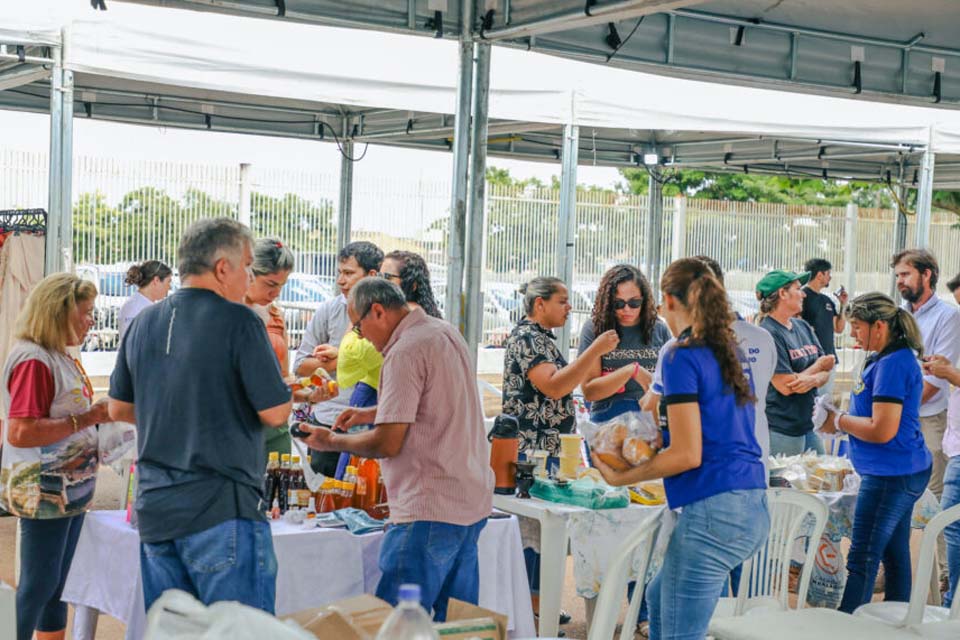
(304, 226)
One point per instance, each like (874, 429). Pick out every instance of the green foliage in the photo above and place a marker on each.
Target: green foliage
(148, 222)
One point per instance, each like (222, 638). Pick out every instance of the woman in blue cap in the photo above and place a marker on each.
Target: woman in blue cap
(886, 446)
(801, 367)
(712, 468)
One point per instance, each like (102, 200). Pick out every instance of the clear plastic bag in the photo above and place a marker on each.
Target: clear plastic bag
(117, 444)
(625, 441)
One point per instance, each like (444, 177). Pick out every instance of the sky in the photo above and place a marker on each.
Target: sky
(30, 132)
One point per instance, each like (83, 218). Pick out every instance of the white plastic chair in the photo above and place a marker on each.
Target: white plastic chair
(917, 612)
(484, 387)
(615, 581)
(765, 578)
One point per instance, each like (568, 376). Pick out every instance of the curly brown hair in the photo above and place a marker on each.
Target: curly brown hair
(694, 284)
(604, 316)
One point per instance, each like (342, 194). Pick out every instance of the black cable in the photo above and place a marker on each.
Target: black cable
(208, 120)
(626, 40)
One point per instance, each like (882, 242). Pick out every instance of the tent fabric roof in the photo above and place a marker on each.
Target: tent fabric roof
(213, 71)
(802, 45)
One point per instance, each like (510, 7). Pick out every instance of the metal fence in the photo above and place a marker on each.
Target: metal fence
(127, 211)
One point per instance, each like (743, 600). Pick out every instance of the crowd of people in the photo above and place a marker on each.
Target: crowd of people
(204, 374)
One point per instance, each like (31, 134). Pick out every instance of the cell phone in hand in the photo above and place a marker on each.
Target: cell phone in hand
(297, 432)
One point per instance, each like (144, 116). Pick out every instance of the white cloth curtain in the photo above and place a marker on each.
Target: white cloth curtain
(21, 268)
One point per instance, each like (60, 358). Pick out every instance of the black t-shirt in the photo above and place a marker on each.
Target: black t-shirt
(819, 310)
(198, 368)
(632, 348)
(797, 349)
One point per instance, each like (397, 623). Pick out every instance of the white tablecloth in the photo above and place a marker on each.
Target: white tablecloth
(316, 566)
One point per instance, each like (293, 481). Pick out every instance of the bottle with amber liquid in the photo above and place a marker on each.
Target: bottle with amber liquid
(283, 484)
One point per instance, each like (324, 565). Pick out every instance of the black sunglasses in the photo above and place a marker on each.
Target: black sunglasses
(633, 303)
(387, 276)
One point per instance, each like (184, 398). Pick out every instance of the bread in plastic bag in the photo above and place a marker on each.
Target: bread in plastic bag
(625, 441)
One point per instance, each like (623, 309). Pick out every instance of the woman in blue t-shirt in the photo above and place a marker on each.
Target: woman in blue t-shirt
(619, 379)
(886, 447)
(712, 468)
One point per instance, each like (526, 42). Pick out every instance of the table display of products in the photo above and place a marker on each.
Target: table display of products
(833, 480)
(286, 490)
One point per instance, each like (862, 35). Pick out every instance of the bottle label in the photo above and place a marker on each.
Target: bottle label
(292, 499)
(361, 486)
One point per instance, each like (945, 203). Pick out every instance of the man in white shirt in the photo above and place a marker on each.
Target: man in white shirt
(917, 273)
(321, 339)
(942, 368)
(761, 354)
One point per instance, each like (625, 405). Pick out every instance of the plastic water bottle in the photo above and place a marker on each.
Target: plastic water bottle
(408, 621)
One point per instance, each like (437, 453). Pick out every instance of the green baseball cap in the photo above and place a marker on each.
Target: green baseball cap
(778, 279)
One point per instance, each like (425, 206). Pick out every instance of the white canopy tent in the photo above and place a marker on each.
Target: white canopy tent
(213, 72)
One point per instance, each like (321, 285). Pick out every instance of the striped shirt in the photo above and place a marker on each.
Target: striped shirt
(442, 472)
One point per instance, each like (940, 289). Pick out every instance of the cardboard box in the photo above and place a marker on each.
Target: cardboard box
(360, 618)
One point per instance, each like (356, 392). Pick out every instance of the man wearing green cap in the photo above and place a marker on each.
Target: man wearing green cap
(801, 367)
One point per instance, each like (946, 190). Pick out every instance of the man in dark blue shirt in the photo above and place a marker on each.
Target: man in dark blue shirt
(198, 377)
(822, 312)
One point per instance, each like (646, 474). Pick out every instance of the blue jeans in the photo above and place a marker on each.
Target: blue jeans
(794, 445)
(614, 408)
(46, 551)
(440, 557)
(951, 497)
(881, 532)
(233, 560)
(712, 537)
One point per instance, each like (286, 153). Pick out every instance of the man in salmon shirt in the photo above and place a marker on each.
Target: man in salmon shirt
(429, 432)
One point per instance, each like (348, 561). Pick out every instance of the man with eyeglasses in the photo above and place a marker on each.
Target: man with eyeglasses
(430, 437)
(321, 339)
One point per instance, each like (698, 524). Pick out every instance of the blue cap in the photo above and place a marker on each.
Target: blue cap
(409, 592)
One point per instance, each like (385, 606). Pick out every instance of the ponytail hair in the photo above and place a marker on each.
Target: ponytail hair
(140, 275)
(694, 284)
(874, 307)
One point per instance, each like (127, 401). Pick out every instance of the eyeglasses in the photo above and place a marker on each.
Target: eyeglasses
(633, 303)
(387, 276)
(356, 325)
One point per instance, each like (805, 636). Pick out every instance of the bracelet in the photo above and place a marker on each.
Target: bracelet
(836, 421)
(76, 425)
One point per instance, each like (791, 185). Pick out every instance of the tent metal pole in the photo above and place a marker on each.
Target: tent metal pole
(567, 225)
(900, 228)
(52, 263)
(850, 247)
(345, 209)
(655, 232)
(679, 245)
(66, 173)
(461, 163)
(476, 214)
(925, 199)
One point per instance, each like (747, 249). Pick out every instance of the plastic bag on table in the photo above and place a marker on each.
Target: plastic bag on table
(177, 615)
(585, 492)
(117, 445)
(358, 521)
(625, 441)
(313, 479)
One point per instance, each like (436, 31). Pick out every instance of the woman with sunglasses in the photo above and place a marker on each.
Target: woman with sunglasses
(624, 304)
(409, 271)
(886, 447)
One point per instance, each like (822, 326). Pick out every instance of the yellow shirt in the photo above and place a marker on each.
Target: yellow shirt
(358, 361)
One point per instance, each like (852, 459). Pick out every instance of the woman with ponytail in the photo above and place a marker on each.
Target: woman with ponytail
(886, 447)
(712, 468)
(152, 280)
